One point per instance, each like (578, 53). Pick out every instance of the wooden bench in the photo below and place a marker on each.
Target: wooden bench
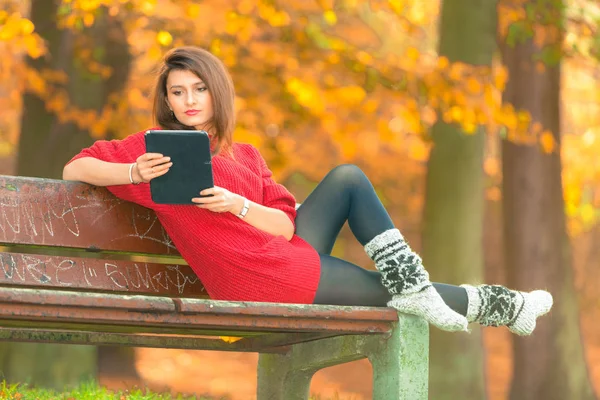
(80, 266)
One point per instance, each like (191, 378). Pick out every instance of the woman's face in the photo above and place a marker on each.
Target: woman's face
(189, 99)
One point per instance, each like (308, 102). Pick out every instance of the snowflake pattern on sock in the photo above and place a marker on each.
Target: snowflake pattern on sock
(401, 268)
(499, 305)
(402, 273)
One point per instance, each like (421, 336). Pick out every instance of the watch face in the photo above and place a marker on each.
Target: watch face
(245, 208)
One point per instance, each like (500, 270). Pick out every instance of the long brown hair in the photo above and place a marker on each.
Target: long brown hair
(218, 81)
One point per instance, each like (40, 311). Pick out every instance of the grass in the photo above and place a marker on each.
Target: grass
(86, 391)
(91, 391)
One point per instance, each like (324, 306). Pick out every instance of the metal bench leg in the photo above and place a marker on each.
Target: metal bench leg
(400, 363)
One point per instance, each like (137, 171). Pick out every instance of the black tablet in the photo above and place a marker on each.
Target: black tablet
(191, 171)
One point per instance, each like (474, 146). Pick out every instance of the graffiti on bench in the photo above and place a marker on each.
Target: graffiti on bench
(67, 214)
(112, 275)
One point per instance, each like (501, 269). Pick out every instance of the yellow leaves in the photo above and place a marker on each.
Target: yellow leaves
(274, 17)
(443, 62)
(588, 214)
(350, 95)
(491, 166)
(88, 20)
(457, 71)
(474, 86)
(154, 53)
(418, 150)
(148, 6)
(395, 125)
(330, 17)
(500, 77)
(364, 57)
(241, 26)
(349, 149)
(88, 5)
(20, 31)
(193, 11)
(164, 38)
(370, 105)
(413, 53)
(547, 142)
(306, 94)
(469, 127)
(408, 119)
(34, 46)
(6, 148)
(493, 193)
(229, 339)
(35, 82)
(581, 174)
(506, 116)
(397, 6)
(26, 26)
(245, 7)
(491, 98)
(455, 114)
(428, 115)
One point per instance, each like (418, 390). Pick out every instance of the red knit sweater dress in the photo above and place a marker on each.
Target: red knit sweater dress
(233, 259)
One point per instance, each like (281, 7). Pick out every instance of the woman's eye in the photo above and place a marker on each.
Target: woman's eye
(202, 89)
(177, 92)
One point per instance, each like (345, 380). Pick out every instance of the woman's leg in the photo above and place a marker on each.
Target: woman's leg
(346, 194)
(345, 284)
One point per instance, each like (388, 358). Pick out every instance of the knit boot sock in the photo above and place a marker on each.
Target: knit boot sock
(404, 276)
(495, 305)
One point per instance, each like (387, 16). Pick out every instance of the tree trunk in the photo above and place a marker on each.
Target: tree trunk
(453, 215)
(45, 145)
(551, 364)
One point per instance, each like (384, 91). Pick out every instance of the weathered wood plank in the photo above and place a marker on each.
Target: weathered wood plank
(265, 343)
(62, 213)
(45, 306)
(36, 270)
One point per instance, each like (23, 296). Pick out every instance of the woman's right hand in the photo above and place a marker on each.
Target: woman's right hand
(149, 166)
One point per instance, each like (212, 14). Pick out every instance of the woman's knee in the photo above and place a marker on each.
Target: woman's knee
(347, 174)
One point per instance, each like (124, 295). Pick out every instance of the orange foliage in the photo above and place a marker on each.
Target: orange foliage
(346, 81)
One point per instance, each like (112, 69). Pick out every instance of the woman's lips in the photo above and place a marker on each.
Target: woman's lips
(192, 112)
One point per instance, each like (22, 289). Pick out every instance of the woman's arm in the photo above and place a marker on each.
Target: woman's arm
(96, 172)
(270, 220)
(102, 173)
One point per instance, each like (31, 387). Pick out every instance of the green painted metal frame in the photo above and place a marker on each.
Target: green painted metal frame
(399, 359)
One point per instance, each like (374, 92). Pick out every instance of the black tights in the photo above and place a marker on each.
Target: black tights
(346, 194)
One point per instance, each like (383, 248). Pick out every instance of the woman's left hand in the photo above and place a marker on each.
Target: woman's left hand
(222, 200)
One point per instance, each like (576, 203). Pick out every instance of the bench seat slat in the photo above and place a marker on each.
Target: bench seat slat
(331, 313)
(47, 299)
(151, 311)
(267, 343)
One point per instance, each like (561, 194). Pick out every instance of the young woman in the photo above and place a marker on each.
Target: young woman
(248, 243)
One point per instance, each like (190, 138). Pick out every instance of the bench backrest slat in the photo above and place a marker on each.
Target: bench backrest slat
(71, 235)
(76, 273)
(69, 214)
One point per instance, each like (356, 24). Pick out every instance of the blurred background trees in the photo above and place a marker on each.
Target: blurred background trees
(477, 122)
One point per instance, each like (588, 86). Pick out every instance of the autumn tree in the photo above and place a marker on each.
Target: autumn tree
(84, 66)
(552, 366)
(326, 81)
(453, 213)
